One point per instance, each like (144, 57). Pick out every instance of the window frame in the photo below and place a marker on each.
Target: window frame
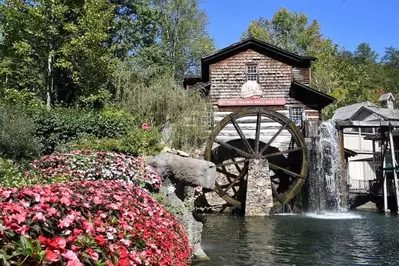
(248, 73)
(292, 108)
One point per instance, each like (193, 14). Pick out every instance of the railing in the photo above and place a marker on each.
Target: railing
(372, 187)
(378, 157)
(359, 186)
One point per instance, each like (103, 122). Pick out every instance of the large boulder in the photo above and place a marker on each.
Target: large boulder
(192, 227)
(183, 170)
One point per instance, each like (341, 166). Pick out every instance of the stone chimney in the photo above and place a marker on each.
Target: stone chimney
(387, 100)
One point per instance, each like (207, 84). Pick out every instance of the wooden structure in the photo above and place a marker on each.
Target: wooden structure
(386, 164)
(260, 95)
(360, 124)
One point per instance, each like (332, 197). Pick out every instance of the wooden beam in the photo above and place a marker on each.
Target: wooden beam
(394, 164)
(385, 192)
(343, 177)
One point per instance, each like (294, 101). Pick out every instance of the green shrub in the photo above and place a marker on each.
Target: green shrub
(17, 135)
(62, 125)
(12, 176)
(161, 100)
(25, 101)
(137, 142)
(142, 142)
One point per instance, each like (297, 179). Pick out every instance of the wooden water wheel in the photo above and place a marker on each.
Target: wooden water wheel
(259, 133)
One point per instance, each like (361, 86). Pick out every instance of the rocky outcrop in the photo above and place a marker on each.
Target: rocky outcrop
(184, 170)
(178, 172)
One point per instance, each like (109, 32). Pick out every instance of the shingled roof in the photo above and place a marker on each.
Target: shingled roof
(261, 47)
(350, 111)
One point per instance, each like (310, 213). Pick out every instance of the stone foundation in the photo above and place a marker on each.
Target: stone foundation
(259, 197)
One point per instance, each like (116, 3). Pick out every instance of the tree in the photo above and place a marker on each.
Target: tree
(135, 26)
(364, 54)
(390, 66)
(350, 77)
(54, 47)
(183, 35)
(292, 32)
(289, 31)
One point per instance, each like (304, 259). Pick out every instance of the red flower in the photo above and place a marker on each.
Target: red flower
(123, 262)
(100, 240)
(51, 256)
(58, 243)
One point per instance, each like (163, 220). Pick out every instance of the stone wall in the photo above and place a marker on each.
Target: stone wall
(259, 197)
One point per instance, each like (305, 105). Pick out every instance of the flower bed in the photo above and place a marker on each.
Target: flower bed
(90, 165)
(88, 223)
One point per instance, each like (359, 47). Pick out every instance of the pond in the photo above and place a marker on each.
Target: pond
(330, 239)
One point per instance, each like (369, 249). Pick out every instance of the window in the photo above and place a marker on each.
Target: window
(252, 72)
(297, 115)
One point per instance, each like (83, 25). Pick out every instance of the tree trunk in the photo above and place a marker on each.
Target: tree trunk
(50, 80)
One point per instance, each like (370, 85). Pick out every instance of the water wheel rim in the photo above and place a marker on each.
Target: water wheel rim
(286, 124)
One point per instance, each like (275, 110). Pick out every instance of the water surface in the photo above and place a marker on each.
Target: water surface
(328, 239)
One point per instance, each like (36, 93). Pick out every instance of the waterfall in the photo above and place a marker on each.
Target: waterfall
(325, 169)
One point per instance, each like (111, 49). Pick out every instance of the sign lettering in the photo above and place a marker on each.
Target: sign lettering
(251, 102)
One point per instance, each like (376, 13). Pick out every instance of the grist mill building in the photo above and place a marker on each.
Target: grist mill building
(252, 73)
(261, 96)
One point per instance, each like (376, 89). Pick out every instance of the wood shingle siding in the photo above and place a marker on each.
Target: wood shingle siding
(228, 76)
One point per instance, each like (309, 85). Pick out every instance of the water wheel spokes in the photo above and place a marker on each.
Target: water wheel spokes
(235, 181)
(239, 138)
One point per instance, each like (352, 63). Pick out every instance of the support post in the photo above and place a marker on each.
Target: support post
(394, 164)
(259, 197)
(343, 181)
(384, 175)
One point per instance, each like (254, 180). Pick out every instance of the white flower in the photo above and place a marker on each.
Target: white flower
(171, 189)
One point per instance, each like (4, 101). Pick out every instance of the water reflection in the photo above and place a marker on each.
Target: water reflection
(300, 240)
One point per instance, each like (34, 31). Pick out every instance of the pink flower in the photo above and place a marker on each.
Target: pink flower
(20, 218)
(126, 242)
(70, 255)
(64, 223)
(74, 263)
(39, 217)
(93, 255)
(145, 126)
(198, 188)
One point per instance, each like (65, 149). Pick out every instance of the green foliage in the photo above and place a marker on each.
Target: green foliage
(184, 39)
(23, 249)
(290, 31)
(55, 48)
(162, 199)
(162, 102)
(137, 142)
(61, 125)
(96, 101)
(10, 175)
(350, 77)
(17, 140)
(23, 100)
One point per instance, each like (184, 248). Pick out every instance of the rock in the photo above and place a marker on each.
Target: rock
(192, 227)
(368, 206)
(184, 170)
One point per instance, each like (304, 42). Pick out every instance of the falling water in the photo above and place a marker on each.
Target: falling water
(325, 168)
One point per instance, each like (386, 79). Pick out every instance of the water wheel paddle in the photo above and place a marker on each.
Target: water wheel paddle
(257, 139)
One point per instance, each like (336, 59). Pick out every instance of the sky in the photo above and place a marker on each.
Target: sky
(346, 22)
